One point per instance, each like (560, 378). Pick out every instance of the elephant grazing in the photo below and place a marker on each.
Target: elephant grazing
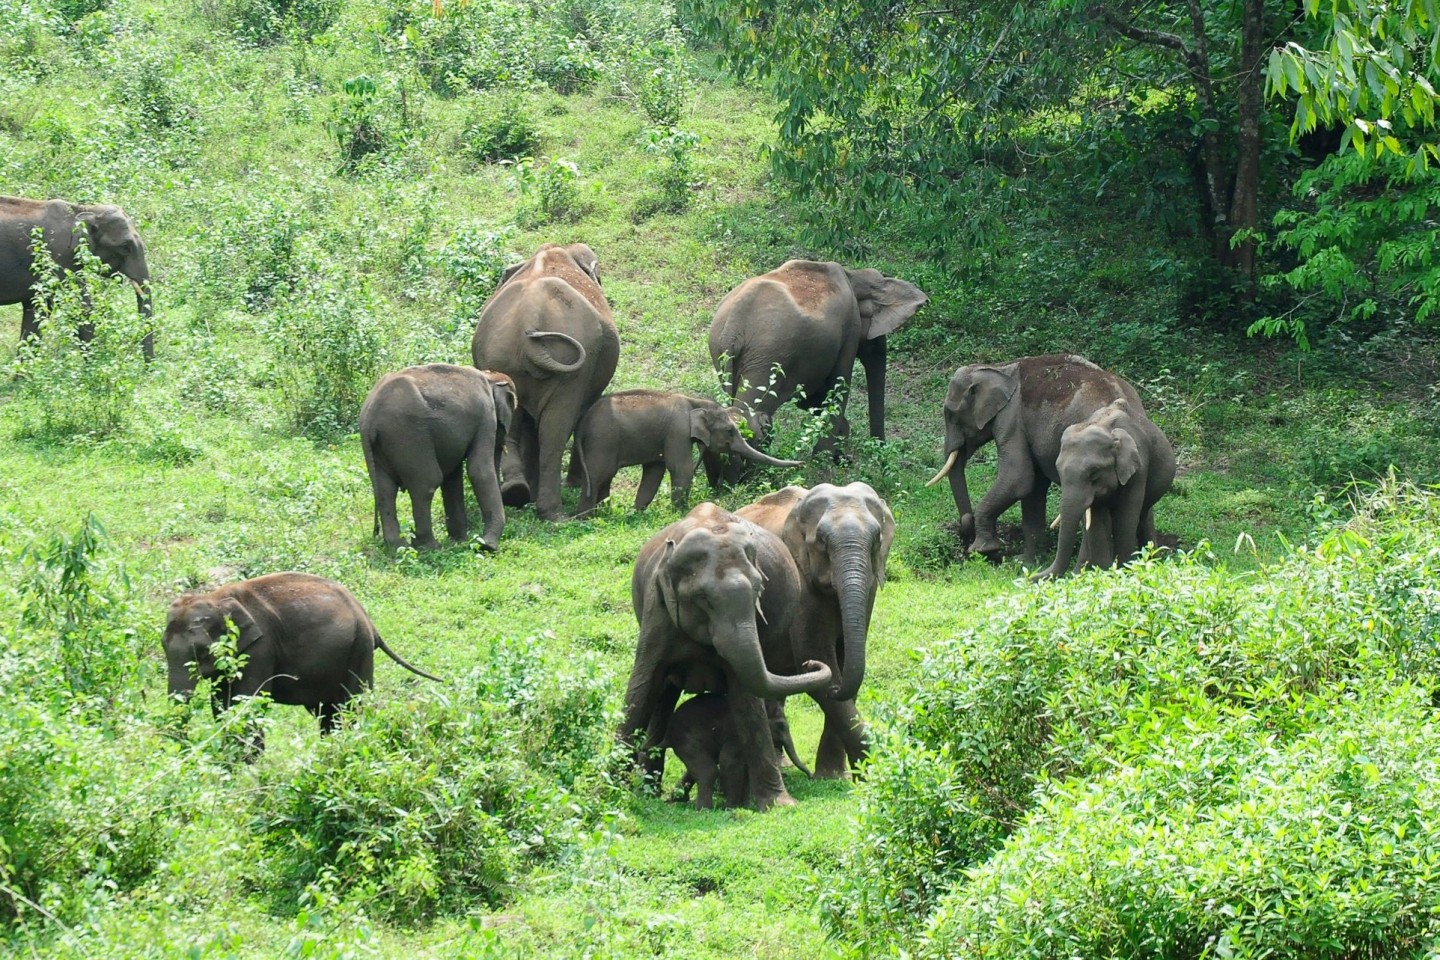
(654, 428)
(813, 320)
(1024, 407)
(702, 734)
(549, 329)
(840, 538)
(424, 428)
(105, 229)
(308, 640)
(715, 591)
(1113, 467)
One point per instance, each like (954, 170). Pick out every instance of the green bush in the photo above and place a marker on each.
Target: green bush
(473, 260)
(500, 132)
(1062, 683)
(550, 191)
(358, 124)
(267, 21)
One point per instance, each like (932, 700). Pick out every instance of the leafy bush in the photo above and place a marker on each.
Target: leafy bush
(357, 124)
(149, 89)
(470, 46)
(500, 132)
(676, 175)
(549, 191)
(1062, 683)
(266, 21)
(28, 36)
(472, 260)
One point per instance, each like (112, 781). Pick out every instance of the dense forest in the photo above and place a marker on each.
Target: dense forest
(1224, 748)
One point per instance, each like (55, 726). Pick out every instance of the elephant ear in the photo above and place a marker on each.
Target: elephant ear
(702, 425)
(586, 260)
(510, 272)
(892, 301)
(503, 393)
(247, 630)
(989, 393)
(665, 585)
(1127, 454)
(881, 510)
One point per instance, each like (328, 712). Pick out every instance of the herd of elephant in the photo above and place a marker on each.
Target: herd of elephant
(740, 609)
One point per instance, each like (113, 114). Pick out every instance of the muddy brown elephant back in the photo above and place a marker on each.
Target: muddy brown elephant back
(839, 538)
(813, 320)
(308, 641)
(548, 327)
(106, 230)
(1114, 466)
(714, 590)
(1025, 407)
(655, 429)
(426, 428)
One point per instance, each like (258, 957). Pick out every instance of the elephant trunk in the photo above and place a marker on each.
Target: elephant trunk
(750, 453)
(739, 644)
(1074, 509)
(854, 582)
(181, 684)
(145, 305)
(961, 491)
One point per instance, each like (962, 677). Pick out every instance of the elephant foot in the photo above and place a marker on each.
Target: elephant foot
(781, 800)
(515, 494)
(426, 545)
(828, 772)
(489, 544)
(551, 514)
(988, 544)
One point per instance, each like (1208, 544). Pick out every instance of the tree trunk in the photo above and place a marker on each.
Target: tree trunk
(1245, 200)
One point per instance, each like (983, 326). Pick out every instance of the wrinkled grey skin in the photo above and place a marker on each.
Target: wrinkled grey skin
(109, 233)
(702, 734)
(715, 592)
(839, 538)
(548, 327)
(1114, 466)
(425, 428)
(309, 641)
(814, 319)
(1024, 407)
(655, 428)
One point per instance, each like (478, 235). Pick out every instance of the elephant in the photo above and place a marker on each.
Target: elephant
(424, 428)
(813, 320)
(107, 231)
(308, 640)
(1024, 406)
(839, 538)
(1113, 467)
(702, 734)
(654, 428)
(714, 591)
(549, 329)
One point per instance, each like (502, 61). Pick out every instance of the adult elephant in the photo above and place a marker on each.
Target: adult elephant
(1113, 467)
(839, 538)
(715, 591)
(307, 639)
(108, 233)
(549, 329)
(1025, 407)
(812, 320)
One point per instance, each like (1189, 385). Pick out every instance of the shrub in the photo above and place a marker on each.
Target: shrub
(473, 260)
(549, 191)
(267, 21)
(676, 175)
(500, 133)
(357, 124)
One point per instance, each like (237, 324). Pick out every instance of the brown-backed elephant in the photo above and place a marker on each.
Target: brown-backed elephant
(1024, 407)
(1113, 467)
(655, 428)
(425, 428)
(714, 590)
(308, 640)
(549, 329)
(702, 734)
(104, 229)
(813, 320)
(839, 538)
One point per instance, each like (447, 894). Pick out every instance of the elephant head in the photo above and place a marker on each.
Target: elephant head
(1097, 458)
(978, 395)
(583, 257)
(840, 538)
(194, 623)
(716, 429)
(112, 238)
(711, 584)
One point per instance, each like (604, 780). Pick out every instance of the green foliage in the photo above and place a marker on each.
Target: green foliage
(675, 179)
(268, 21)
(472, 261)
(358, 125)
(500, 132)
(550, 191)
(27, 36)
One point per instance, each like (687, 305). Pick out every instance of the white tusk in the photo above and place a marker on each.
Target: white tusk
(1056, 522)
(1087, 518)
(760, 613)
(954, 455)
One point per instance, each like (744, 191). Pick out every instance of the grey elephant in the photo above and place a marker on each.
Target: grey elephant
(425, 428)
(840, 538)
(1114, 466)
(813, 320)
(702, 734)
(308, 640)
(655, 428)
(107, 231)
(713, 590)
(549, 329)
(1025, 407)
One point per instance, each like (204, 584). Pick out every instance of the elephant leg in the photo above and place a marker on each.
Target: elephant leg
(702, 769)
(516, 461)
(29, 326)
(329, 714)
(1099, 543)
(422, 493)
(1032, 520)
(452, 496)
(386, 490)
(734, 778)
(682, 471)
(486, 487)
(650, 476)
(843, 741)
(555, 426)
(654, 755)
(757, 747)
(872, 357)
(1014, 479)
(1126, 519)
(1147, 526)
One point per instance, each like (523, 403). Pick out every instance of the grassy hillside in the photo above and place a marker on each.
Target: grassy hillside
(319, 190)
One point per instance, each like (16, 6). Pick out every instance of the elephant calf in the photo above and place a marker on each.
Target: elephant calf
(656, 429)
(702, 734)
(307, 639)
(419, 428)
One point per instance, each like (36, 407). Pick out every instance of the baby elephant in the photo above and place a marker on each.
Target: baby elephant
(654, 428)
(702, 735)
(420, 428)
(307, 639)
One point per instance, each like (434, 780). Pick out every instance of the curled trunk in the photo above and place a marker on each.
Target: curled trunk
(739, 644)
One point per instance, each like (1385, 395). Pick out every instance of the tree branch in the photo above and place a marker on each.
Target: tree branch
(1128, 30)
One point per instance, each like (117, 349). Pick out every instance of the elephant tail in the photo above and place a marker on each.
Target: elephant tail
(543, 354)
(579, 454)
(380, 643)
